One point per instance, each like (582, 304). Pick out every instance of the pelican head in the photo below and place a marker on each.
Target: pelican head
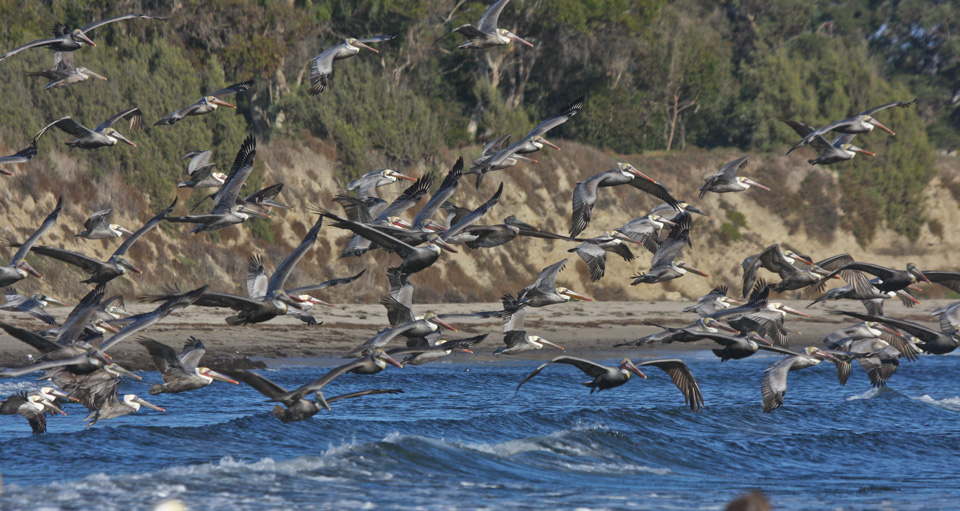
(435, 240)
(219, 176)
(683, 267)
(749, 182)
(819, 354)
(572, 295)
(119, 229)
(630, 171)
(116, 370)
(23, 268)
(539, 141)
(540, 342)
(80, 38)
(507, 36)
(758, 340)
(213, 102)
(870, 122)
(90, 74)
(40, 402)
(382, 358)
(627, 367)
(50, 393)
(353, 43)
(310, 301)
(206, 372)
(431, 317)
(124, 263)
(114, 136)
(712, 325)
(399, 222)
(852, 150)
(683, 206)
(785, 309)
(915, 273)
(659, 220)
(135, 402)
(44, 299)
(393, 175)
(516, 222)
(619, 237)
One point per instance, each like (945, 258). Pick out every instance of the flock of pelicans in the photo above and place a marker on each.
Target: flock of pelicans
(74, 355)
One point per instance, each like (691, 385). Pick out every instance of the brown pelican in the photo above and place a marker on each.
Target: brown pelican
(373, 363)
(774, 385)
(515, 335)
(22, 156)
(487, 236)
(687, 333)
(860, 123)
(32, 305)
(102, 135)
(534, 140)
(585, 194)
(65, 73)
(890, 279)
(867, 330)
(202, 173)
(34, 406)
(609, 377)
(372, 212)
(321, 67)
(829, 152)
(109, 405)
(72, 40)
(96, 228)
(727, 179)
(206, 104)
(947, 279)
(298, 409)
(366, 186)
(738, 346)
(930, 341)
(713, 301)
(498, 154)
(645, 228)
(18, 268)
(664, 265)
(116, 265)
(265, 199)
(422, 355)
(795, 271)
(226, 211)
(593, 251)
(544, 290)
(486, 33)
(861, 288)
(181, 372)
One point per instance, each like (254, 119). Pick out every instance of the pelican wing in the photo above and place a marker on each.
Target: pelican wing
(547, 279)
(446, 190)
(361, 393)
(488, 22)
(584, 198)
(21, 156)
(192, 352)
(871, 111)
(947, 279)
(729, 171)
(164, 357)
(81, 315)
(324, 285)
(97, 219)
(145, 229)
(34, 44)
(174, 304)
(657, 190)
(40, 343)
(920, 332)
(256, 277)
(321, 69)
(774, 385)
(47, 224)
(66, 124)
(595, 257)
(365, 231)
(87, 264)
(258, 382)
(43, 366)
(671, 247)
(379, 38)
(559, 118)
(101, 23)
(286, 267)
(473, 216)
(682, 377)
(321, 382)
(198, 160)
(134, 115)
(589, 367)
(226, 198)
(397, 312)
(233, 89)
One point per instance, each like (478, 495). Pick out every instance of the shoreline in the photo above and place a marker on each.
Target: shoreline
(584, 329)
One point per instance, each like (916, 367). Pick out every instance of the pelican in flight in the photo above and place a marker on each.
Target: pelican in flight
(941, 342)
(727, 179)
(860, 123)
(102, 135)
(687, 333)
(829, 152)
(774, 385)
(515, 335)
(585, 193)
(34, 406)
(21, 156)
(665, 265)
(18, 268)
(713, 301)
(181, 372)
(321, 67)
(795, 271)
(486, 33)
(32, 305)
(593, 251)
(544, 290)
(206, 104)
(109, 405)
(65, 73)
(609, 377)
(65, 40)
(96, 227)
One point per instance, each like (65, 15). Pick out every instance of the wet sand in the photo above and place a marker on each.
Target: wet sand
(585, 329)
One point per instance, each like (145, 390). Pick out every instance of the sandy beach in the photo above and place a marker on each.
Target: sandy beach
(585, 329)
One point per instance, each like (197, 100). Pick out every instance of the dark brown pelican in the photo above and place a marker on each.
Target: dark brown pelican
(32, 305)
(22, 156)
(687, 333)
(321, 67)
(609, 377)
(373, 363)
(829, 152)
(890, 279)
(202, 173)
(226, 210)
(109, 405)
(141, 321)
(366, 186)
(860, 123)
(206, 104)
(65, 73)
(795, 271)
(18, 268)
(544, 290)
(664, 265)
(727, 179)
(534, 140)
(593, 251)
(861, 288)
(102, 135)
(515, 335)
(181, 372)
(715, 300)
(774, 385)
(498, 154)
(442, 348)
(760, 316)
(116, 265)
(72, 40)
(486, 33)
(34, 406)
(488, 236)
(96, 227)
(931, 341)
(294, 410)
(585, 194)
(372, 211)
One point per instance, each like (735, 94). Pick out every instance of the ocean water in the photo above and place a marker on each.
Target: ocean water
(458, 438)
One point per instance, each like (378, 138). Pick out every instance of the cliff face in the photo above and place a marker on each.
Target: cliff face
(804, 210)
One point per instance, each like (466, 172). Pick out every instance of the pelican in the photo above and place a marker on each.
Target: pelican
(515, 335)
(109, 405)
(226, 211)
(498, 154)
(930, 341)
(593, 251)
(736, 347)
(687, 333)
(829, 152)
(890, 279)
(33, 406)
(774, 385)
(72, 40)
(95, 228)
(321, 67)
(102, 135)
(795, 271)
(861, 288)
(373, 363)
(18, 268)
(664, 265)
(419, 331)
(860, 123)
(202, 173)
(713, 301)
(534, 140)
(487, 236)
(422, 355)
(544, 290)
(296, 409)
(65, 73)
(644, 228)
(609, 377)
(585, 194)
(181, 372)
(727, 179)
(32, 305)
(206, 104)
(371, 212)
(116, 265)
(486, 33)
(21, 156)
(366, 186)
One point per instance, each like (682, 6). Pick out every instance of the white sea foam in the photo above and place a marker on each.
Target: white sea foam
(950, 403)
(614, 468)
(866, 395)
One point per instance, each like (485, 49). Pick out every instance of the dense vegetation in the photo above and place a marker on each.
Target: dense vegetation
(659, 76)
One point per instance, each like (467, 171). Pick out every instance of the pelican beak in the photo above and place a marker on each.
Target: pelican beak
(144, 402)
(86, 39)
(446, 246)
(465, 350)
(548, 343)
(639, 174)
(728, 328)
(922, 276)
(738, 302)
(623, 237)
(218, 101)
(6, 172)
(515, 37)
(577, 296)
(58, 302)
(108, 326)
(123, 139)
(630, 366)
(95, 75)
(803, 260)
(691, 269)
(50, 406)
(135, 269)
(117, 369)
(864, 151)
(667, 222)
(317, 301)
(391, 360)
(754, 183)
(403, 177)
(524, 225)
(256, 213)
(26, 266)
(692, 209)
(443, 324)
(124, 229)
(322, 401)
(889, 330)
(367, 47)
(791, 310)
(551, 144)
(219, 376)
(524, 158)
(61, 394)
(908, 296)
(881, 126)
(827, 356)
